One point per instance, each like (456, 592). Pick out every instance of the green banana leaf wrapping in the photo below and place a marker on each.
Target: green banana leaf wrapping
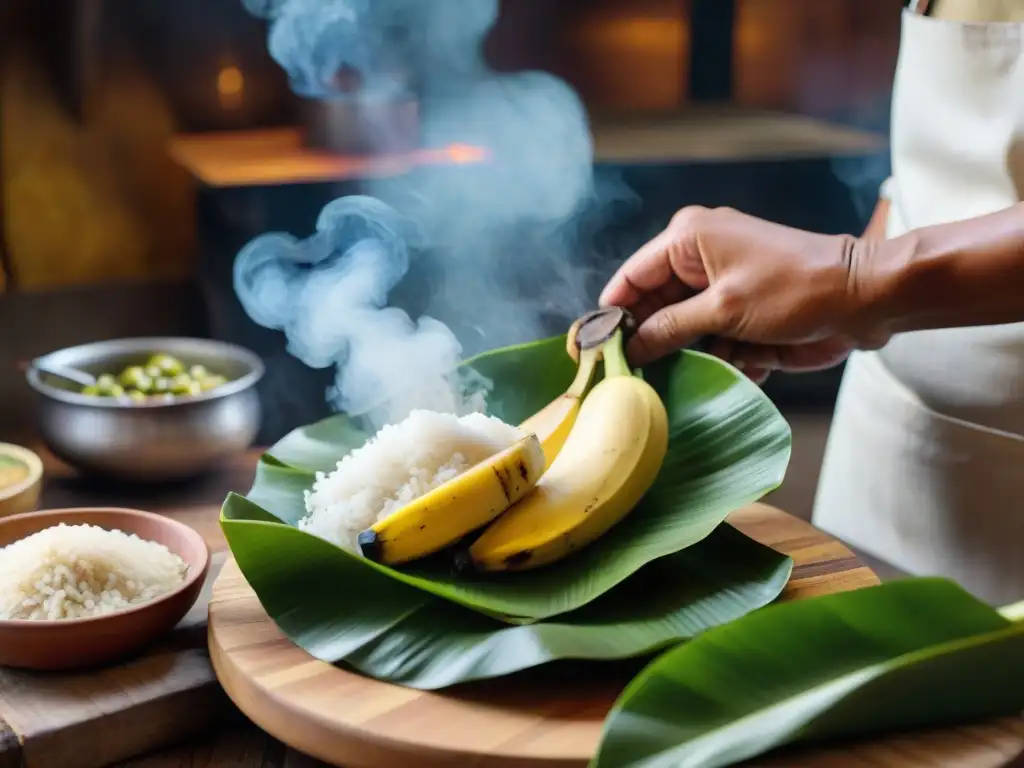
(424, 627)
(907, 655)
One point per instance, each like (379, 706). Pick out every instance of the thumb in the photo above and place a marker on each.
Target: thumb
(674, 327)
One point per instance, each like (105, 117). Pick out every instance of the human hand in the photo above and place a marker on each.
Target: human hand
(773, 297)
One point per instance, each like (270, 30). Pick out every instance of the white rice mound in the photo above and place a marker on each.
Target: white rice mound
(398, 465)
(80, 571)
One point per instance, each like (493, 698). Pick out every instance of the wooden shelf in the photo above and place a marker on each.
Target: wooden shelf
(724, 133)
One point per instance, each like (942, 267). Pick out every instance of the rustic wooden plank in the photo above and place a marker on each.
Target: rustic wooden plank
(990, 746)
(88, 722)
(239, 746)
(723, 133)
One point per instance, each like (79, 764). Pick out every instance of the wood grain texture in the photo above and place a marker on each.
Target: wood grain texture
(163, 696)
(547, 717)
(989, 746)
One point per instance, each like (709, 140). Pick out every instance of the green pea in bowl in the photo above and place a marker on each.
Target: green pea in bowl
(155, 409)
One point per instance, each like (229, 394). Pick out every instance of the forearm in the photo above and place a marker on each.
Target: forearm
(953, 275)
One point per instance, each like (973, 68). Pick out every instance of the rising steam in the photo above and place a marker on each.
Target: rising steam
(329, 295)
(502, 235)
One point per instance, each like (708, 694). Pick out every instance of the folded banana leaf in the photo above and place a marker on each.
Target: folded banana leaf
(907, 655)
(339, 612)
(728, 447)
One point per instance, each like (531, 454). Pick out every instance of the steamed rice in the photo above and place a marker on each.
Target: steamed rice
(398, 465)
(80, 571)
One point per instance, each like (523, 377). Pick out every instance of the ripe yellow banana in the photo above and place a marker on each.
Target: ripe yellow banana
(553, 423)
(610, 460)
(462, 505)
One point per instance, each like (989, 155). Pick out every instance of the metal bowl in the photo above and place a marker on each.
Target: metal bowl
(151, 440)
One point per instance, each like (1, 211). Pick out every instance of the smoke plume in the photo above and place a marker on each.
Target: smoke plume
(499, 240)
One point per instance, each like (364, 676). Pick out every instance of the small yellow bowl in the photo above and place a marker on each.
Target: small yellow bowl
(23, 495)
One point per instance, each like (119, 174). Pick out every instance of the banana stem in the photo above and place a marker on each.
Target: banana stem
(615, 363)
(1013, 612)
(585, 372)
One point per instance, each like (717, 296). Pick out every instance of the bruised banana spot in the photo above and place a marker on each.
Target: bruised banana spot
(503, 480)
(519, 558)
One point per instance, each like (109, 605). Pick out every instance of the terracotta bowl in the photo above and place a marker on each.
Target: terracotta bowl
(77, 643)
(24, 496)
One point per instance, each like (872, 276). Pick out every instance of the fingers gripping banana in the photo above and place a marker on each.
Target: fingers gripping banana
(462, 505)
(553, 423)
(609, 461)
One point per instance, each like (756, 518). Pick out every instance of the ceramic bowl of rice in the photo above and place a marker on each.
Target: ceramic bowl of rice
(85, 587)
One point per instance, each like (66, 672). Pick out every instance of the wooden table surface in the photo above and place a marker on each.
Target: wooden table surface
(237, 743)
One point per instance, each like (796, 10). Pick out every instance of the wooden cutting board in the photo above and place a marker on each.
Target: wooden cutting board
(165, 694)
(544, 718)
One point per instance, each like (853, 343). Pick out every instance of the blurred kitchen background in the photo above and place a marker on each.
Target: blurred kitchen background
(142, 143)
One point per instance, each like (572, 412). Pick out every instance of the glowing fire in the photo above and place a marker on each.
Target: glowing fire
(280, 156)
(466, 153)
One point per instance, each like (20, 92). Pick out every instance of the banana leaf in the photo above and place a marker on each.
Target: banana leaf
(728, 447)
(907, 655)
(342, 613)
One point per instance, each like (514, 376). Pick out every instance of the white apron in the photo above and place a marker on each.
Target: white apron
(924, 466)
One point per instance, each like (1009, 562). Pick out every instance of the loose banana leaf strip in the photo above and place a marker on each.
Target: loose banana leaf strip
(340, 612)
(729, 446)
(907, 655)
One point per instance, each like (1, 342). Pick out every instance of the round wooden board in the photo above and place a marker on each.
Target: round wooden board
(539, 718)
